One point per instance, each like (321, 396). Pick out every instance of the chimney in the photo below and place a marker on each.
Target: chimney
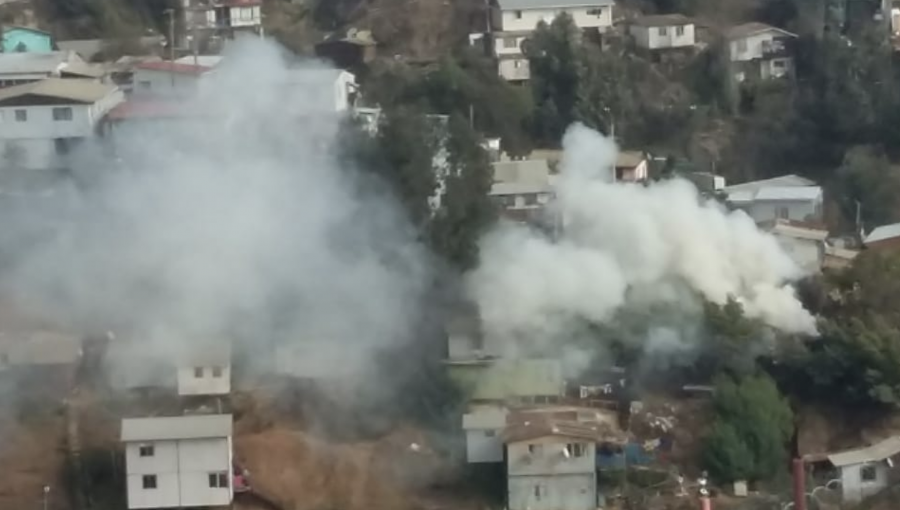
(799, 485)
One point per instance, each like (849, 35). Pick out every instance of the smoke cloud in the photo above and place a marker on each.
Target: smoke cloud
(621, 246)
(238, 224)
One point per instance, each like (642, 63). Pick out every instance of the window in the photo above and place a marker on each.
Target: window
(61, 146)
(778, 64)
(4, 359)
(145, 85)
(149, 481)
(596, 12)
(868, 473)
(535, 449)
(64, 113)
(490, 433)
(198, 372)
(518, 14)
(146, 450)
(218, 480)
(530, 198)
(21, 115)
(782, 213)
(575, 450)
(742, 45)
(679, 31)
(217, 371)
(510, 43)
(663, 31)
(539, 491)
(517, 64)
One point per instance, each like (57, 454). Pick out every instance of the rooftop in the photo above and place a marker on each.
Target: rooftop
(783, 180)
(76, 91)
(629, 159)
(36, 63)
(775, 193)
(663, 20)
(509, 5)
(596, 432)
(796, 229)
(176, 427)
(174, 67)
(748, 29)
(882, 233)
(873, 453)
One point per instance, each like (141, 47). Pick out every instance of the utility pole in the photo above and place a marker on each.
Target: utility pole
(171, 14)
(46, 496)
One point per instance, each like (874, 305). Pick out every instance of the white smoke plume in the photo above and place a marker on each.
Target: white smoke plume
(240, 224)
(621, 244)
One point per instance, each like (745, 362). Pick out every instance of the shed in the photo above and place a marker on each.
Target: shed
(866, 471)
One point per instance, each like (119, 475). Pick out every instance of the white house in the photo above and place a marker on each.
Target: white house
(759, 50)
(788, 197)
(205, 372)
(178, 461)
(513, 21)
(866, 471)
(325, 89)
(666, 31)
(522, 186)
(631, 166)
(41, 122)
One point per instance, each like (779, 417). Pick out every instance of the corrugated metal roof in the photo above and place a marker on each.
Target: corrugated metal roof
(595, 432)
(789, 193)
(29, 63)
(509, 5)
(883, 232)
(748, 29)
(663, 20)
(629, 159)
(176, 427)
(874, 453)
(783, 180)
(77, 91)
(526, 170)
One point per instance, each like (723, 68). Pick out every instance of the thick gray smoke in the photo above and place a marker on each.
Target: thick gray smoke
(239, 224)
(622, 245)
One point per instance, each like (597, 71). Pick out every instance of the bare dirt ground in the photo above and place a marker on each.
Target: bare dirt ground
(32, 456)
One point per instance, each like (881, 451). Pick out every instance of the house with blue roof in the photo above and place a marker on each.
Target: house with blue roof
(26, 40)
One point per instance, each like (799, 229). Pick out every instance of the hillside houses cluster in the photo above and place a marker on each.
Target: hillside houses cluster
(756, 50)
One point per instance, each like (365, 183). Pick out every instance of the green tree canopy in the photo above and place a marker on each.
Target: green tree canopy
(753, 424)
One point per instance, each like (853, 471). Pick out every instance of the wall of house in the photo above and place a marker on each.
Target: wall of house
(853, 487)
(152, 82)
(751, 47)
(32, 41)
(182, 470)
(207, 383)
(508, 44)
(584, 17)
(553, 492)
(550, 458)
(797, 210)
(775, 68)
(652, 38)
(514, 69)
(523, 200)
(483, 426)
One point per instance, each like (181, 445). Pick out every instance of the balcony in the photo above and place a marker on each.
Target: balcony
(776, 48)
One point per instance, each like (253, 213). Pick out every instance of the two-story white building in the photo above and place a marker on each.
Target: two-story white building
(513, 21)
(42, 122)
(552, 465)
(663, 32)
(178, 461)
(760, 51)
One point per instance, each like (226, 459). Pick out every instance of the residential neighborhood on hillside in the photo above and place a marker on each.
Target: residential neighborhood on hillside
(468, 254)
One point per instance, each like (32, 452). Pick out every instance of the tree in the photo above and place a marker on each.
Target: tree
(465, 208)
(730, 340)
(867, 179)
(555, 55)
(753, 424)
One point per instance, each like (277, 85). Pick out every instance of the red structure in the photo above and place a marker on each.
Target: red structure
(799, 485)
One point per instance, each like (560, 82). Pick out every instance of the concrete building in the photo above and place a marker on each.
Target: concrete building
(214, 20)
(662, 32)
(42, 122)
(179, 461)
(867, 471)
(483, 425)
(760, 51)
(513, 21)
(552, 465)
(522, 187)
(788, 197)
